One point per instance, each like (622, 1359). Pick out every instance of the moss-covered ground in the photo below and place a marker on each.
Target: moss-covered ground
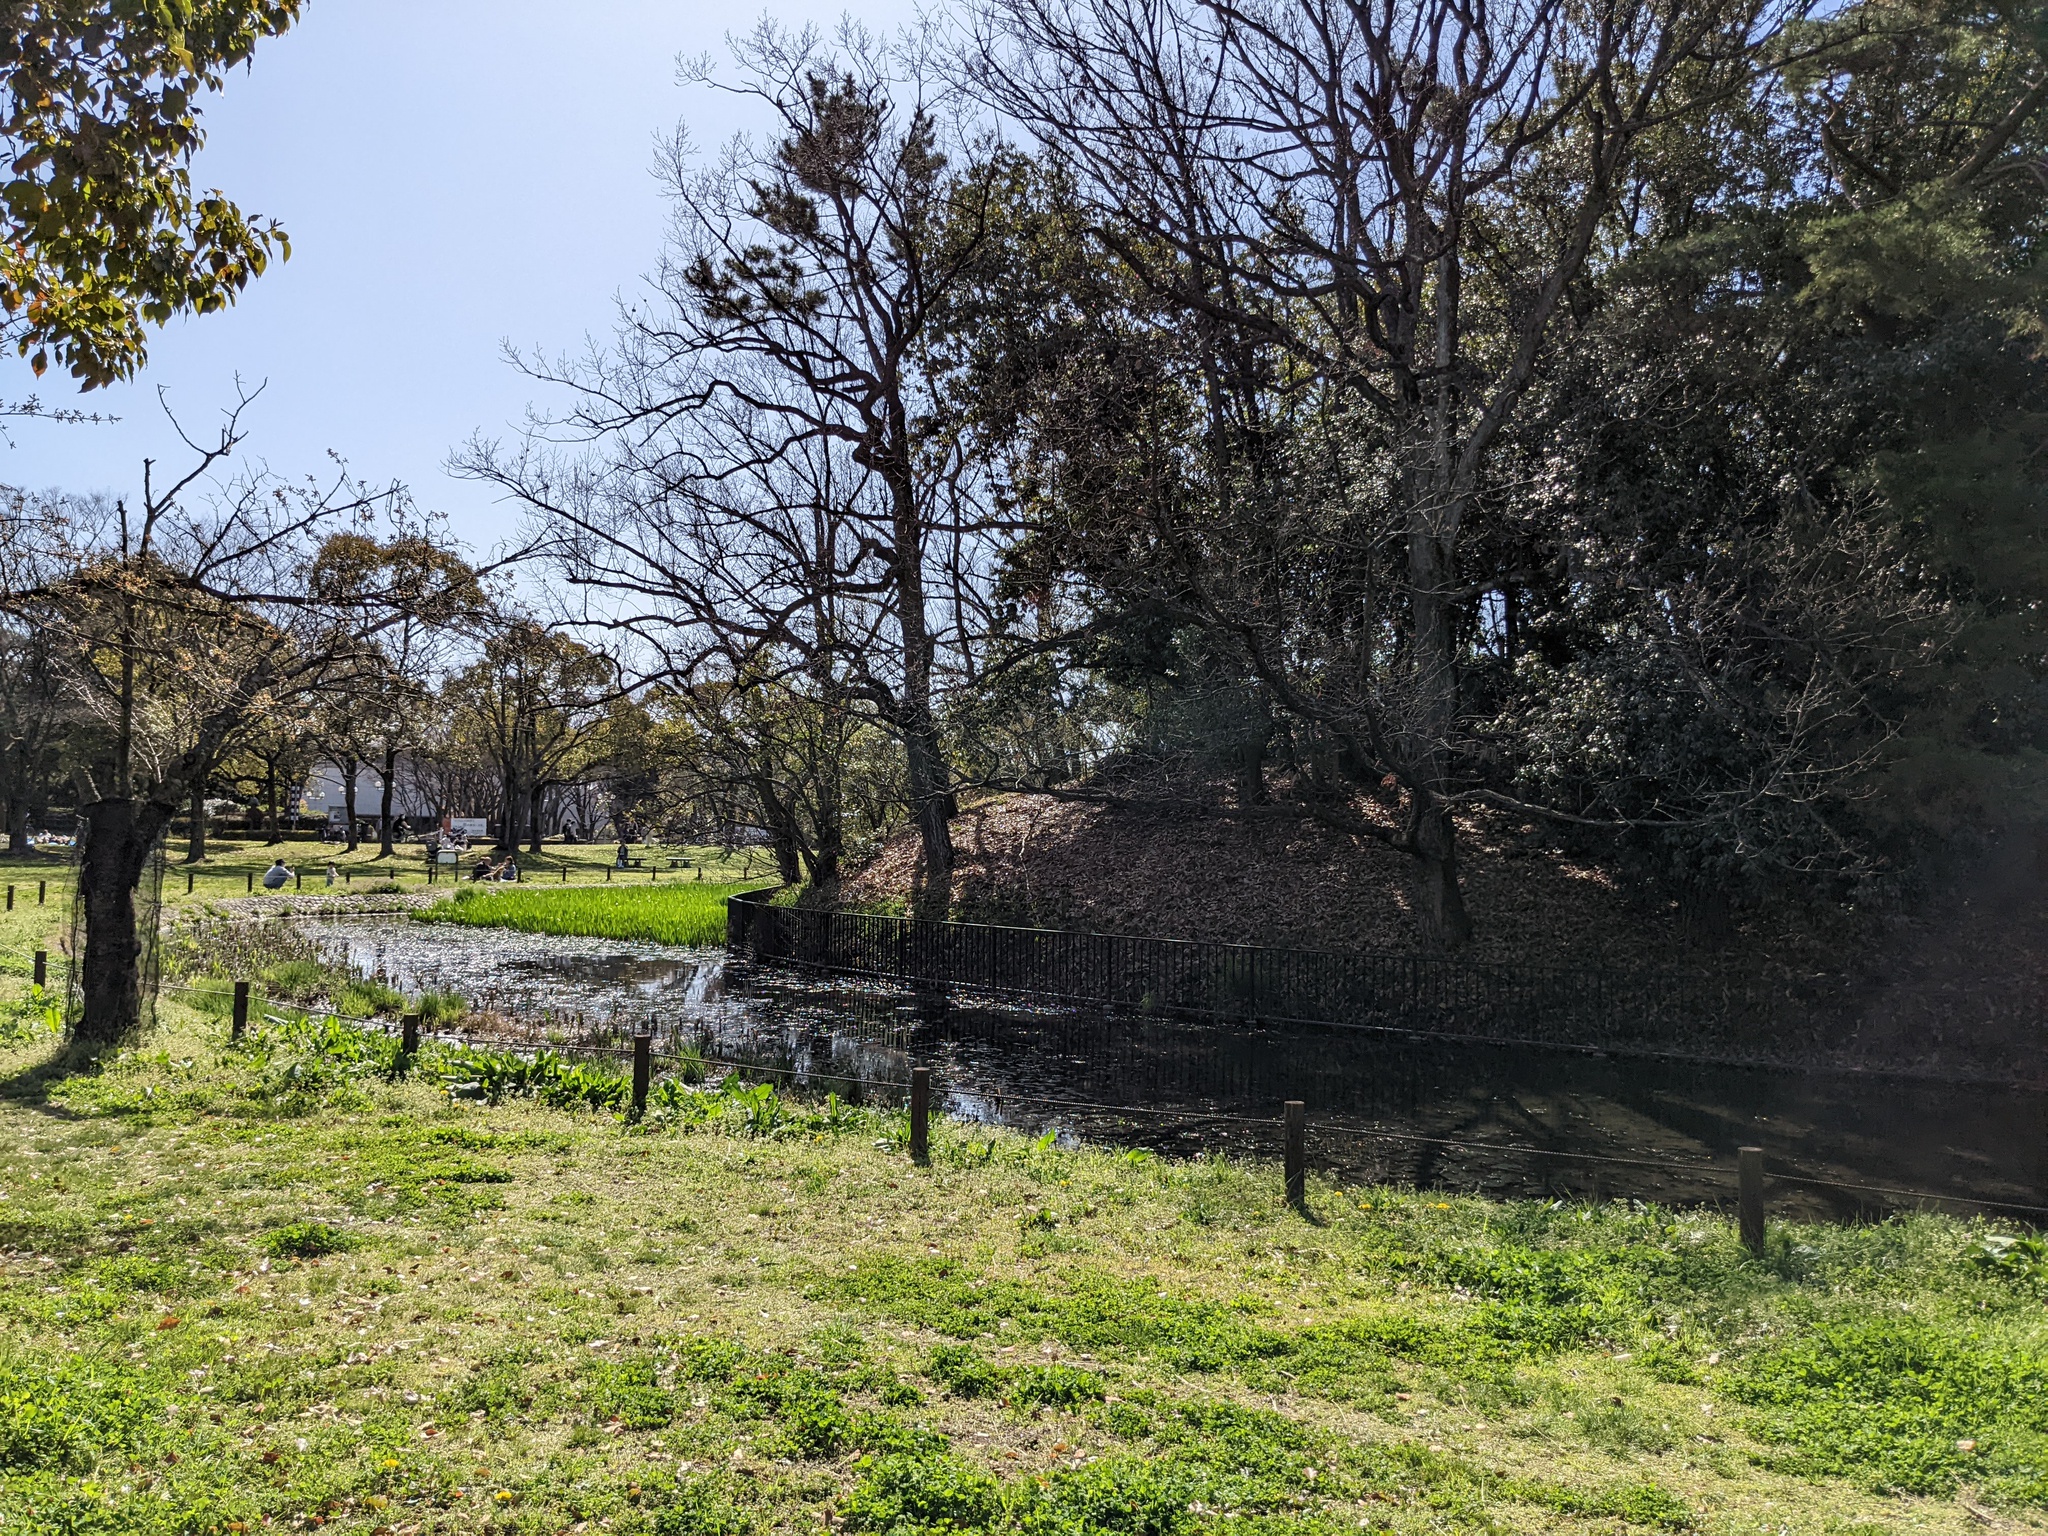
(298, 1284)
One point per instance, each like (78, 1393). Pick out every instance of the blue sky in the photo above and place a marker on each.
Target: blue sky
(455, 175)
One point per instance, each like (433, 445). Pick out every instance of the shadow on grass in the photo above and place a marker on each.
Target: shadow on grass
(66, 1059)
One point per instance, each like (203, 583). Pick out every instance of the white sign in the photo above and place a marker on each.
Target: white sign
(469, 826)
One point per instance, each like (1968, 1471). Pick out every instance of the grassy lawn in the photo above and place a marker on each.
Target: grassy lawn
(226, 875)
(690, 913)
(287, 1286)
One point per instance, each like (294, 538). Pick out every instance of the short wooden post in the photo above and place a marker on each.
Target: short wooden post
(1295, 1116)
(1749, 1168)
(241, 1023)
(298, 879)
(251, 877)
(607, 874)
(42, 967)
(651, 872)
(42, 891)
(10, 898)
(643, 1067)
(188, 882)
(920, 1115)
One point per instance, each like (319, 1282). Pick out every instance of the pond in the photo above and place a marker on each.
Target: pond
(1502, 1119)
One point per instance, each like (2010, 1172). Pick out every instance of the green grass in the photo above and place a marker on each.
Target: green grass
(301, 1283)
(665, 914)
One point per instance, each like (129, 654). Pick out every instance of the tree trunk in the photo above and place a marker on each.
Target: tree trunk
(17, 822)
(270, 798)
(348, 800)
(386, 848)
(831, 834)
(780, 817)
(1434, 836)
(931, 799)
(195, 844)
(533, 826)
(118, 837)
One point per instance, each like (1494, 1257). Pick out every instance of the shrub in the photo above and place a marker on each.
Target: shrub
(306, 1240)
(702, 1506)
(299, 980)
(365, 999)
(1900, 1405)
(441, 1008)
(922, 1495)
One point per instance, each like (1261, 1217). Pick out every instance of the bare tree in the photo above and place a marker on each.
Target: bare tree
(779, 402)
(251, 597)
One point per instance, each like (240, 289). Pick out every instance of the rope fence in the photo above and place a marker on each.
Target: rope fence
(1748, 1177)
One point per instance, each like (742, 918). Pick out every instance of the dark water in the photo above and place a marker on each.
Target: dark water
(1500, 1119)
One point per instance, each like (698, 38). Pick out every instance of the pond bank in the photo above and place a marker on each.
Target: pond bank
(1509, 1120)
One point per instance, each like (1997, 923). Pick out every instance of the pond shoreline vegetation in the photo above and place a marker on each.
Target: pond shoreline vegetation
(682, 914)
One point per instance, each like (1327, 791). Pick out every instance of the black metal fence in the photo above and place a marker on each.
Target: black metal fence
(1555, 1004)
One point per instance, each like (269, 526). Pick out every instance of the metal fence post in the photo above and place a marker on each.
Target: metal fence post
(1296, 1118)
(42, 967)
(643, 1067)
(1749, 1168)
(241, 1023)
(920, 1114)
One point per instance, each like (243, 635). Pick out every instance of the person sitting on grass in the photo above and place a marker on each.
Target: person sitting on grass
(277, 876)
(483, 870)
(509, 870)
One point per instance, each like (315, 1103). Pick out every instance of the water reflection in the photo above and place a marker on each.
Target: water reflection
(1502, 1119)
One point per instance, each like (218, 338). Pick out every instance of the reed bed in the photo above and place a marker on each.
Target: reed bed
(689, 914)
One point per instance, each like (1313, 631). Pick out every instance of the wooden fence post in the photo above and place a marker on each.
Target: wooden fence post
(1295, 1115)
(251, 877)
(241, 1022)
(298, 879)
(1749, 1167)
(10, 898)
(42, 967)
(643, 1068)
(920, 1114)
(409, 1033)
(188, 882)
(42, 891)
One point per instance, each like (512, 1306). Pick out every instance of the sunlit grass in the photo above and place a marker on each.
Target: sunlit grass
(298, 1284)
(681, 913)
